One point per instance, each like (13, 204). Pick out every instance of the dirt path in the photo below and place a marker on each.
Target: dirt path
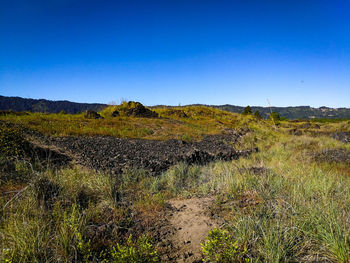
(192, 223)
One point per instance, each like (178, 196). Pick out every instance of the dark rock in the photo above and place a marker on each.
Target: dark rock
(115, 113)
(117, 155)
(337, 155)
(305, 125)
(342, 136)
(136, 109)
(295, 132)
(90, 114)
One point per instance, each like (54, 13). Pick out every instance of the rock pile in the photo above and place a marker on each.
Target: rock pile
(136, 109)
(116, 155)
(90, 114)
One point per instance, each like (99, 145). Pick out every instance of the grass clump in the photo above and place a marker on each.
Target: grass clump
(11, 141)
(221, 247)
(140, 250)
(57, 218)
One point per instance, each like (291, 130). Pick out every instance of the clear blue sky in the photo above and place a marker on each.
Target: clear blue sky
(292, 52)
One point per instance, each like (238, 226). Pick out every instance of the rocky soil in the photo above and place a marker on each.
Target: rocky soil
(342, 136)
(337, 155)
(116, 155)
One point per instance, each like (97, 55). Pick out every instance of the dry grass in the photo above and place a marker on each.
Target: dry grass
(200, 121)
(295, 211)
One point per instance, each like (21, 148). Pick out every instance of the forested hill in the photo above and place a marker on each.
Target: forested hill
(41, 105)
(299, 112)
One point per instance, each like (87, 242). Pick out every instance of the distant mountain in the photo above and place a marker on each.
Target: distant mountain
(34, 105)
(299, 112)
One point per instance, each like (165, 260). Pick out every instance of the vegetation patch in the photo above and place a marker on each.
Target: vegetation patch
(278, 204)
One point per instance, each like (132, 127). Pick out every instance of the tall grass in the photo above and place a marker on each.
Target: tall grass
(294, 210)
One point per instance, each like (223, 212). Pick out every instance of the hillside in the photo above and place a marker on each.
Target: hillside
(41, 105)
(298, 112)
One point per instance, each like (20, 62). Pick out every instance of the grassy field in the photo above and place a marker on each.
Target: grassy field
(199, 121)
(279, 205)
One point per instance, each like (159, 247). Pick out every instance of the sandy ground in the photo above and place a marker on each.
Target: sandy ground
(192, 223)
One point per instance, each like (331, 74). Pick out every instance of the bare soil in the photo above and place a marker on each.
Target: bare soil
(189, 224)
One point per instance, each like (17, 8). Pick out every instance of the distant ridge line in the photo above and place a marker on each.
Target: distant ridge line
(43, 105)
(50, 106)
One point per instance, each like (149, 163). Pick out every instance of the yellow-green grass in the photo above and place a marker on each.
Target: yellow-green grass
(201, 121)
(191, 124)
(298, 210)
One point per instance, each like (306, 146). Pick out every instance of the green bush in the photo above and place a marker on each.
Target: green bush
(140, 250)
(221, 247)
(257, 115)
(274, 116)
(247, 110)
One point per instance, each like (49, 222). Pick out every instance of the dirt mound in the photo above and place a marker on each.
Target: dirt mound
(342, 136)
(338, 155)
(116, 155)
(15, 145)
(136, 109)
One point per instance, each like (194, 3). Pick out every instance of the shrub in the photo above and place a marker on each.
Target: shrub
(221, 247)
(247, 110)
(140, 250)
(257, 115)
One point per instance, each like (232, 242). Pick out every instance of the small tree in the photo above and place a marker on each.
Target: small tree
(274, 116)
(258, 115)
(247, 110)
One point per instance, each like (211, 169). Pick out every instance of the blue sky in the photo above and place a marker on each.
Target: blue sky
(292, 52)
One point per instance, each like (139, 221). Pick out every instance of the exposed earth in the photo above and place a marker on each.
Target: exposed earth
(192, 223)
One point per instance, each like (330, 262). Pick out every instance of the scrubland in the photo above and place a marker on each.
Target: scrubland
(281, 204)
